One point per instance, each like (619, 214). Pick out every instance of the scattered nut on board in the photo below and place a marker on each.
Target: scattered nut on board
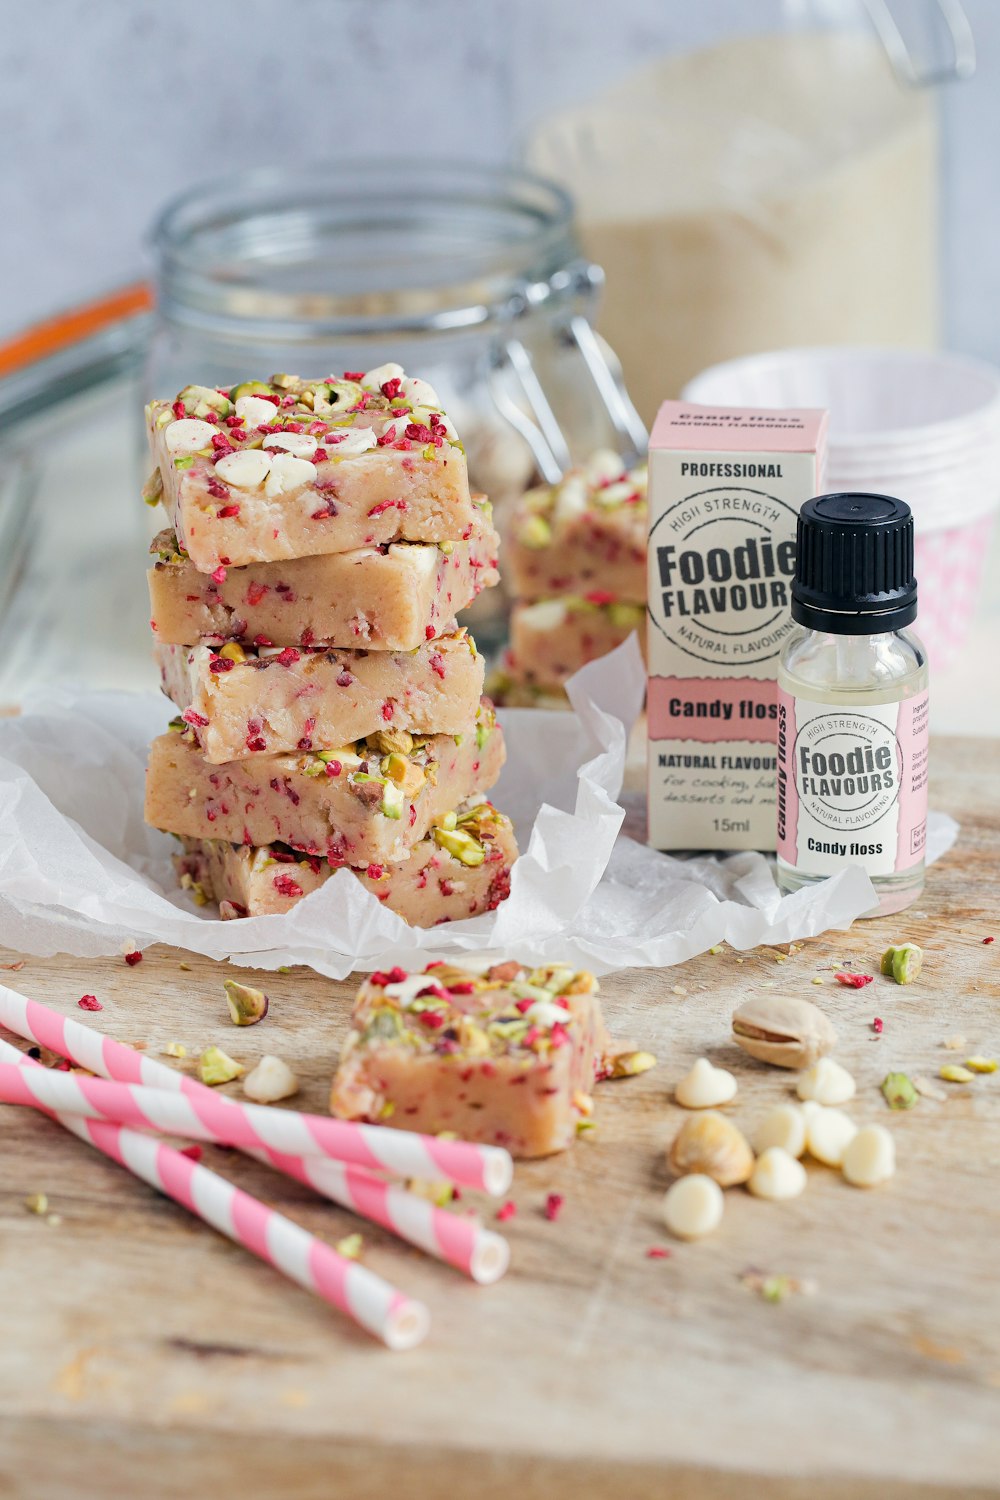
(826, 1082)
(693, 1206)
(777, 1176)
(903, 963)
(785, 1126)
(216, 1066)
(272, 1079)
(784, 1031)
(711, 1146)
(829, 1132)
(870, 1157)
(705, 1087)
(247, 1006)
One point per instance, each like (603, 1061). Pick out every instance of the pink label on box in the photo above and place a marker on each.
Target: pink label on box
(708, 709)
(706, 430)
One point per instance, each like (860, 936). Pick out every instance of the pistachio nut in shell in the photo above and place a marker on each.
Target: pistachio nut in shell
(784, 1031)
(710, 1144)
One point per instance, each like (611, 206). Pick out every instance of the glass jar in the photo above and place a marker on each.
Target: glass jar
(722, 189)
(468, 276)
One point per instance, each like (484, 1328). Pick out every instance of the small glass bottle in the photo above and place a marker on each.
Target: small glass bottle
(852, 703)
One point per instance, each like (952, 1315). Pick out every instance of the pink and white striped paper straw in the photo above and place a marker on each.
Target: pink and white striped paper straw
(462, 1242)
(248, 1126)
(399, 1321)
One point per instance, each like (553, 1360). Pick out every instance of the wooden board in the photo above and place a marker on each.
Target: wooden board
(143, 1355)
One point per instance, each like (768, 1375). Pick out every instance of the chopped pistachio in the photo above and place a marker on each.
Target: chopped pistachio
(981, 1064)
(247, 1006)
(903, 962)
(350, 1247)
(467, 850)
(153, 488)
(899, 1091)
(584, 1127)
(215, 1067)
(37, 1203)
(175, 1049)
(630, 1064)
(953, 1073)
(534, 532)
(232, 651)
(956, 1043)
(438, 1193)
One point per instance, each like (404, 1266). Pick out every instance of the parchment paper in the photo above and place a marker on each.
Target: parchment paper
(81, 873)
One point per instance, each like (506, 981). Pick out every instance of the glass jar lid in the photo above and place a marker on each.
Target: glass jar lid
(348, 249)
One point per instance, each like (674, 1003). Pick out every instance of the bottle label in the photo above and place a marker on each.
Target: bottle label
(852, 785)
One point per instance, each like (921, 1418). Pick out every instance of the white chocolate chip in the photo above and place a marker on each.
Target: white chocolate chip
(614, 494)
(375, 379)
(298, 443)
(693, 1206)
(546, 1013)
(418, 392)
(288, 473)
(870, 1158)
(785, 1126)
(777, 1176)
(246, 470)
(829, 1132)
(705, 1087)
(255, 411)
(602, 466)
(826, 1082)
(571, 499)
(415, 556)
(355, 440)
(406, 990)
(188, 435)
(546, 615)
(272, 1079)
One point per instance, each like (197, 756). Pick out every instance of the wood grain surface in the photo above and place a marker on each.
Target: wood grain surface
(143, 1355)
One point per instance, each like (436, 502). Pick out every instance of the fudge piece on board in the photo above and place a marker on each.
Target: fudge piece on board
(507, 1056)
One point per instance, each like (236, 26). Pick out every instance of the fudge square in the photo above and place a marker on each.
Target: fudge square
(242, 703)
(292, 468)
(365, 803)
(586, 533)
(553, 638)
(505, 1056)
(389, 598)
(461, 869)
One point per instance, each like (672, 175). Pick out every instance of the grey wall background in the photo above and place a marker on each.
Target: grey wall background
(109, 107)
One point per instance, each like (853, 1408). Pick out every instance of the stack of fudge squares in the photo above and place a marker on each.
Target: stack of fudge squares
(575, 560)
(321, 541)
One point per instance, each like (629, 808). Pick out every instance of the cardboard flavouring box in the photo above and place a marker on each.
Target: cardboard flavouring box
(725, 487)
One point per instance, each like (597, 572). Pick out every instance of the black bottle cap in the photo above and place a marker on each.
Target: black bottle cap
(854, 565)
